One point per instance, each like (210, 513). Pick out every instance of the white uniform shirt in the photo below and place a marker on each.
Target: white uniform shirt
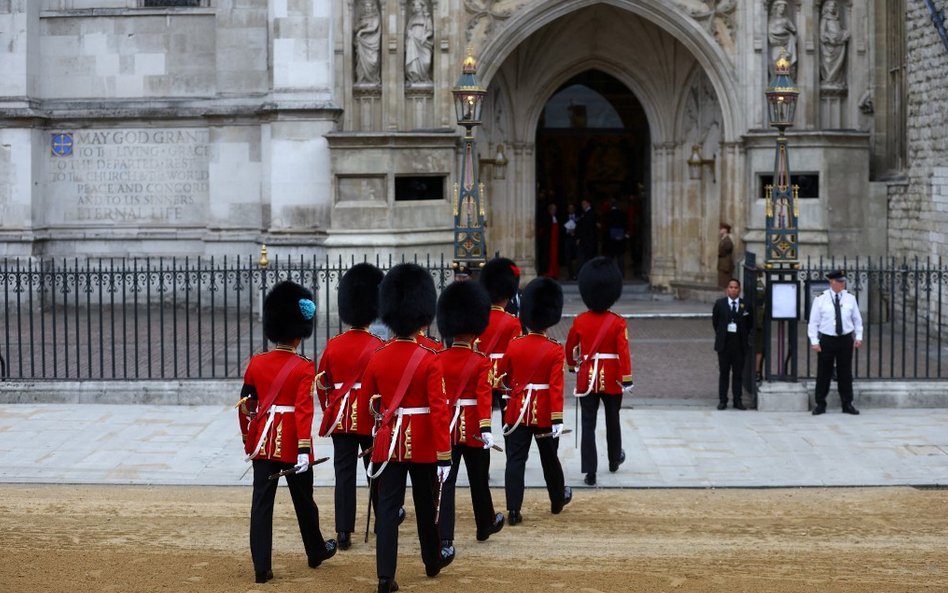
(823, 316)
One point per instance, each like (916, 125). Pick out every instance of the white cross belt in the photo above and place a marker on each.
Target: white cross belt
(271, 412)
(530, 389)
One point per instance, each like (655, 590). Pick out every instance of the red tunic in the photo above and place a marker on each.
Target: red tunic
(614, 364)
(473, 417)
(501, 329)
(534, 360)
(337, 367)
(427, 342)
(290, 429)
(423, 435)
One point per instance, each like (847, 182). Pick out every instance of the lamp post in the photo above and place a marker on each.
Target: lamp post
(469, 245)
(781, 243)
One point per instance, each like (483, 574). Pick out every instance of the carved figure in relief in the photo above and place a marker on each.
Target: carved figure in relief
(419, 43)
(833, 40)
(367, 42)
(781, 33)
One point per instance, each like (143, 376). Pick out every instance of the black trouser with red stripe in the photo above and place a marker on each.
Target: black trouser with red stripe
(477, 462)
(391, 489)
(518, 450)
(345, 462)
(590, 410)
(261, 512)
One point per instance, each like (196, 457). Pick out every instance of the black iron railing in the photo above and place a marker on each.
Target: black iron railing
(155, 318)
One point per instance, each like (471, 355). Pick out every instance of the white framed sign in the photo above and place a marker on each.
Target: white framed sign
(785, 299)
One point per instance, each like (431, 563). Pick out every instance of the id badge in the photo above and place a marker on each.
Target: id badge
(732, 328)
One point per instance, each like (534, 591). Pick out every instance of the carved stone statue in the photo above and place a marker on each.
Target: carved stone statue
(833, 40)
(367, 42)
(419, 43)
(781, 34)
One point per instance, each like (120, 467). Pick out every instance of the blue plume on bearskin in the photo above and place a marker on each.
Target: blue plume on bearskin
(283, 316)
(463, 308)
(600, 284)
(407, 299)
(359, 295)
(542, 304)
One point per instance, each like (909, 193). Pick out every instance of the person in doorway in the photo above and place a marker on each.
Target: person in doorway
(412, 436)
(725, 255)
(835, 328)
(532, 373)
(275, 413)
(587, 229)
(570, 241)
(463, 313)
(548, 234)
(597, 350)
(616, 235)
(733, 322)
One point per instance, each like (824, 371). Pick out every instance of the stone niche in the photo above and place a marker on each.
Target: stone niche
(371, 208)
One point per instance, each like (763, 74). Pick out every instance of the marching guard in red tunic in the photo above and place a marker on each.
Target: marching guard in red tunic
(597, 349)
(463, 311)
(532, 369)
(412, 435)
(276, 421)
(501, 277)
(346, 415)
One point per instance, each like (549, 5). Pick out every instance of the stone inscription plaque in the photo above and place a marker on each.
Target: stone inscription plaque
(133, 177)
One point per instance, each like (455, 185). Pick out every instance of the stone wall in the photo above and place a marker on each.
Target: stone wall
(918, 211)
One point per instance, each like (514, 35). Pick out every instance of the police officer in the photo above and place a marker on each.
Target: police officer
(835, 328)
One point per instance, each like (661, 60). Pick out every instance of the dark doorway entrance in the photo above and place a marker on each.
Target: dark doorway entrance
(592, 144)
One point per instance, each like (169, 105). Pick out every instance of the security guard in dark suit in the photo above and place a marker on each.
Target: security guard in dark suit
(733, 321)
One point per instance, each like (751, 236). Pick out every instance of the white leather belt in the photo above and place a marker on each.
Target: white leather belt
(412, 411)
(457, 411)
(356, 385)
(595, 358)
(496, 355)
(530, 389)
(271, 412)
(342, 404)
(467, 402)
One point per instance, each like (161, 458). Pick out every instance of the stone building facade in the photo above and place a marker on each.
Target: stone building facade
(151, 127)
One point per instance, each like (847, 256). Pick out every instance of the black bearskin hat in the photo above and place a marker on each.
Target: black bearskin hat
(463, 308)
(288, 313)
(600, 283)
(501, 277)
(359, 295)
(407, 299)
(542, 304)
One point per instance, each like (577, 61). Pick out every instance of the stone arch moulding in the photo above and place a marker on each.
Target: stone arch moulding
(716, 64)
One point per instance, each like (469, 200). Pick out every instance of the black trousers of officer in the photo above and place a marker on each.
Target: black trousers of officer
(261, 512)
(345, 462)
(731, 366)
(838, 351)
(391, 489)
(477, 462)
(590, 411)
(518, 450)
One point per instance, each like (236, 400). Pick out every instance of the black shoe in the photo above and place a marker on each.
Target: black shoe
(739, 406)
(850, 409)
(819, 410)
(556, 507)
(759, 378)
(590, 479)
(387, 585)
(614, 467)
(401, 515)
(344, 540)
(447, 557)
(330, 551)
(514, 517)
(722, 405)
(496, 526)
(262, 576)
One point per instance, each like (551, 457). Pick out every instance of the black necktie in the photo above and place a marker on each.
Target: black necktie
(734, 307)
(839, 315)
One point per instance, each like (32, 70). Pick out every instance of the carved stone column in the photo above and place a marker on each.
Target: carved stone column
(663, 212)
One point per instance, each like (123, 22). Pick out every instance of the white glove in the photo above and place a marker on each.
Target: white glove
(443, 471)
(556, 430)
(627, 389)
(302, 463)
(488, 439)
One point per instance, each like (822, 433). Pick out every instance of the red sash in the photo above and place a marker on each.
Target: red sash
(383, 438)
(329, 414)
(254, 425)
